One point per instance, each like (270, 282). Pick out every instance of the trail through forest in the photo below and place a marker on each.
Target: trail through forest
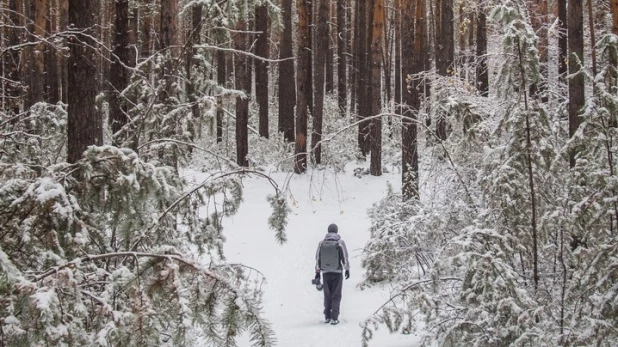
(291, 303)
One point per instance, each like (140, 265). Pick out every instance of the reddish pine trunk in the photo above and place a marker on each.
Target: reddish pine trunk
(576, 61)
(375, 167)
(303, 63)
(261, 67)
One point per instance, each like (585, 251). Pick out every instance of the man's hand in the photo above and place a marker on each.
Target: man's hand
(347, 274)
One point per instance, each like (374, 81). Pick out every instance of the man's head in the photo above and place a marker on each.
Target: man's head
(333, 228)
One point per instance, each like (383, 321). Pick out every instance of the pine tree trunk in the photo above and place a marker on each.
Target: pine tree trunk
(222, 81)
(444, 53)
(51, 61)
(362, 82)
(482, 74)
(375, 166)
(318, 87)
(11, 79)
(85, 125)
(576, 61)
(614, 9)
(562, 40)
(119, 74)
(193, 39)
(63, 21)
(303, 63)
(310, 47)
(242, 103)
(287, 88)
(413, 39)
(397, 42)
(341, 58)
(35, 63)
(331, 34)
(169, 41)
(261, 67)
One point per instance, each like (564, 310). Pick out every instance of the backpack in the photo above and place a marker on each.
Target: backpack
(329, 256)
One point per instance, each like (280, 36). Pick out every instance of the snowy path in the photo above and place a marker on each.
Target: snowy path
(291, 303)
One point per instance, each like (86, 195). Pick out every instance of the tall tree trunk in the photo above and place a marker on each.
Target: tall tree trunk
(11, 80)
(303, 57)
(169, 41)
(63, 21)
(261, 67)
(36, 11)
(576, 60)
(362, 81)
(375, 166)
(341, 58)
(444, 53)
(193, 39)
(331, 34)
(413, 39)
(356, 56)
(242, 103)
(222, 81)
(85, 125)
(287, 88)
(310, 47)
(119, 74)
(318, 87)
(562, 39)
(51, 58)
(397, 39)
(482, 74)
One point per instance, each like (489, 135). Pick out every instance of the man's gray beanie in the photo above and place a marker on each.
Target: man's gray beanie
(333, 228)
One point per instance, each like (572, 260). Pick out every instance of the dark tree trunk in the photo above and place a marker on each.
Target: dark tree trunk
(242, 104)
(63, 9)
(355, 99)
(413, 39)
(51, 61)
(119, 74)
(261, 67)
(85, 124)
(397, 39)
(562, 39)
(303, 57)
(576, 60)
(341, 58)
(222, 81)
(364, 75)
(444, 47)
(329, 64)
(287, 88)
(482, 74)
(10, 68)
(169, 41)
(310, 46)
(375, 167)
(318, 87)
(193, 39)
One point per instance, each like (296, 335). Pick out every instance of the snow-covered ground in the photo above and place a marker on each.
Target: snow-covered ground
(291, 303)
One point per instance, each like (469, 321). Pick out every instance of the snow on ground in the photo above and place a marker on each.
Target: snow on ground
(291, 303)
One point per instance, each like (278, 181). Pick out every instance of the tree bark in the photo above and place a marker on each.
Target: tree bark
(444, 53)
(341, 58)
(413, 39)
(51, 58)
(318, 86)
(310, 47)
(576, 60)
(303, 63)
(482, 74)
(562, 39)
(119, 74)
(11, 83)
(362, 81)
(397, 39)
(169, 41)
(375, 166)
(222, 81)
(261, 67)
(331, 34)
(85, 125)
(242, 103)
(193, 39)
(287, 88)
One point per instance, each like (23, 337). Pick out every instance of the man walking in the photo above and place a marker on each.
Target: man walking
(331, 259)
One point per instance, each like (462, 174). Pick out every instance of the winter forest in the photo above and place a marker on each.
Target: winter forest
(496, 119)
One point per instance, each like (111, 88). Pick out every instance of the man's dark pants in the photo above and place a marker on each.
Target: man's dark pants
(333, 284)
